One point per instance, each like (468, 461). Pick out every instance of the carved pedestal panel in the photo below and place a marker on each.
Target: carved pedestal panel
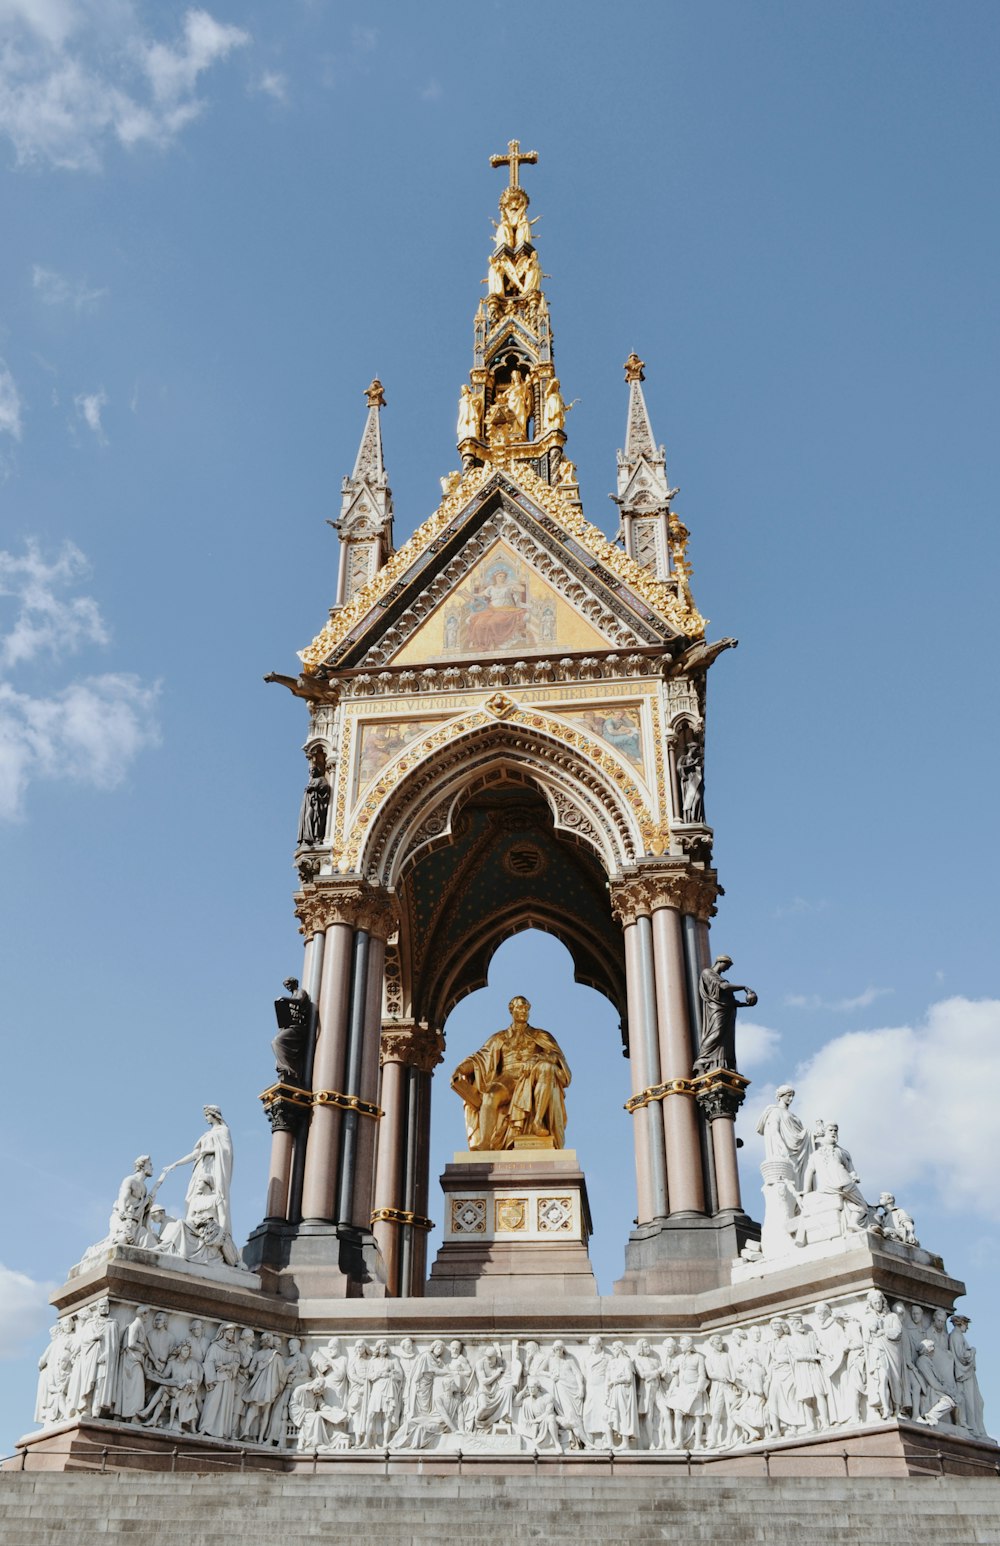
(516, 1222)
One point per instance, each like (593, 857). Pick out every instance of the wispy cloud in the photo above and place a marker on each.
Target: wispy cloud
(24, 1307)
(431, 92)
(272, 84)
(75, 77)
(10, 404)
(860, 1000)
(90, 729)
(801, 907)
(758, 1044)
(54, 289)
(89, 407)
(39, 617)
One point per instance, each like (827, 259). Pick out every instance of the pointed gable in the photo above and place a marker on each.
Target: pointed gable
(624, 606)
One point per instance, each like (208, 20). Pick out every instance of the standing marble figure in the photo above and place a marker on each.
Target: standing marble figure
(513, 1086)
(212, 1176)
(718, 1016)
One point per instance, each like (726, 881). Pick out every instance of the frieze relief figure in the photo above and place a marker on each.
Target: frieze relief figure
(843, 1365)
(513, 1087)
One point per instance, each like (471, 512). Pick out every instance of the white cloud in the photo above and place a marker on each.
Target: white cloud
(24, 1311)
(431, 92)
(862, 1000)
(10, 404)
(916, 1104)
(45, 620)
(74, 77)
(173, 71)
(757, 1043)
(54, 289)
(89, 407)
(89, 730)
(273, 84)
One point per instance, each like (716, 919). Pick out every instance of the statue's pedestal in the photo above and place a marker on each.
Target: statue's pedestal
(516, 1222)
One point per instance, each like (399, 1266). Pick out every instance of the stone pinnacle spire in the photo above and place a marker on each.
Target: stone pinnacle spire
(365, 521)
(512, 409)
(651, 532)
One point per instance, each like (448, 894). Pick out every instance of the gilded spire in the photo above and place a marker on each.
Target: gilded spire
(512, 408)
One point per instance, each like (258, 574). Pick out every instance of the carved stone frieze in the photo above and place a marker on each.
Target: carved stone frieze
(686, 891)
(817, 1371)
(331, 899)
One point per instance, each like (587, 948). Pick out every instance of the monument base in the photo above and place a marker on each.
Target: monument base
(316, 1261)
(517, 1222)
(687, 1253)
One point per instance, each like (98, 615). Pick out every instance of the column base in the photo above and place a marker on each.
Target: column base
(316, 1261)
(687, 1253)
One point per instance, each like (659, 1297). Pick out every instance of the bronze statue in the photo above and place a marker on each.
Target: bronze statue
(289, 1046)
(513, 1086)
(718, 1016)
(315, 804)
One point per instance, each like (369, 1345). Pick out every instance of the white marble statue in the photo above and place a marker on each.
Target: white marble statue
(211, 1175)
(895, 1222)
(785, 1136)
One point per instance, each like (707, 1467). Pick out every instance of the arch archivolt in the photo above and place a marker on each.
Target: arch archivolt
(592, 798)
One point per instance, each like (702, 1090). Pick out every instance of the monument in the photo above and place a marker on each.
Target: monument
(506, 721)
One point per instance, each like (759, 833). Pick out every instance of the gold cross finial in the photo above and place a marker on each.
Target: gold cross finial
(375, 394)
(514, 159)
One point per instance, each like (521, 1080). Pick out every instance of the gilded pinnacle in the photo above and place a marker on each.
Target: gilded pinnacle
(635, 368)
(375, 394)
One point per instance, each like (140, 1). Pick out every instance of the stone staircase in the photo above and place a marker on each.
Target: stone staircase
(79, 1509)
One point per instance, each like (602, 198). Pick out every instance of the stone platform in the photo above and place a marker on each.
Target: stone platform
(471, 1508)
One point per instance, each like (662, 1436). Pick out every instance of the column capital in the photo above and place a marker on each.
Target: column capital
(285, 1107)
(413, 1043)
(720, 1093)
(330, 899)
(647, 888)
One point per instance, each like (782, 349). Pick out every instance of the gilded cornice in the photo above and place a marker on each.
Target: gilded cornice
(686, 891)
(661, 596)
(329, 899)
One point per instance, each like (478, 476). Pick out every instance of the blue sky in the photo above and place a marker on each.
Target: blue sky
(219, 224)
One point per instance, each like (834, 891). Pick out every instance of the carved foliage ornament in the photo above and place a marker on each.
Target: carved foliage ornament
(683, 890)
